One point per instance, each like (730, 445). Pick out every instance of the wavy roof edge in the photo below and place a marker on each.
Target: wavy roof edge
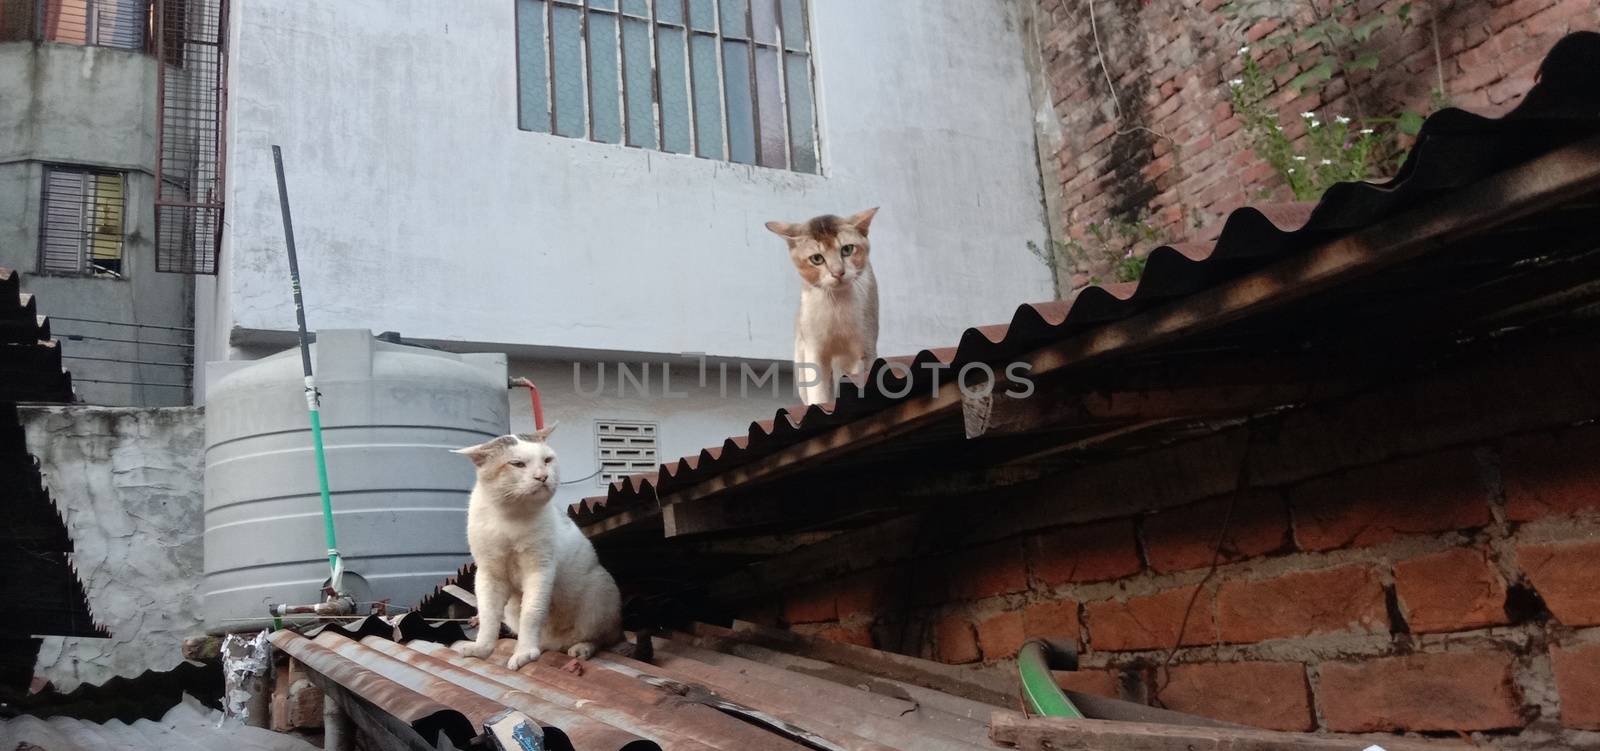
(1563, 105)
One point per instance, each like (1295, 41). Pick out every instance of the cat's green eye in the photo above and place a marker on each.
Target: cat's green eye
(847, 251)
(815, 259)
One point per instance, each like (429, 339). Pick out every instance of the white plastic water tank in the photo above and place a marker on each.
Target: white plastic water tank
(390, 413)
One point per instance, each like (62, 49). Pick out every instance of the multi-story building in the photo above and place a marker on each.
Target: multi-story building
(585, 184)
(98, 111)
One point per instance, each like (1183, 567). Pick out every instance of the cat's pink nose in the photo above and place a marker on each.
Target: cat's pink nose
(838, 274)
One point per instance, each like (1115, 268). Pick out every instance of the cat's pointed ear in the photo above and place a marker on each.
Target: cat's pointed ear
(543, 434)
(785, 230)
(484, 451)
(479, 453)
(863, 220)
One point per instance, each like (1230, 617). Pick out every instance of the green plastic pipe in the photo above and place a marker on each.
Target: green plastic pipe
(1039, 687)
(313, 399)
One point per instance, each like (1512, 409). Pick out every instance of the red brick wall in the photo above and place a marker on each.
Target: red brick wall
(1424, 557)
(1178, 153)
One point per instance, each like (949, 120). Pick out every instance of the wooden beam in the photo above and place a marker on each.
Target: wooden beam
(851, 437)
(849, 498)
(1561, 175)
(1060, 734)
(1235, 386)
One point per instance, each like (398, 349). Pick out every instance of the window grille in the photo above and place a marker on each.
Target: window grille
(721, 79)
(82, 227)
(123, 24)
(189, 171)
(624, 448)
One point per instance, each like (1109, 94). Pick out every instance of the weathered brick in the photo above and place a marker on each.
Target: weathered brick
(954, 641)
(1186, 537)
(1452, 691)
(1097, 682)
(1000, 635)
(991, 570)
(813, 603)
(1566, 576)
(1057, 619)
(1092, 552)
(1577, 672)
(767, 611)
(1451, 591)
(1301, 604)
(1432, 493)
(1272, 695)
(1152, 621)
(868, 592)
(1552, 474)
(859, 635)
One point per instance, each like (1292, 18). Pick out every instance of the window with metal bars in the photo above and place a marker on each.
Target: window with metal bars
(82, 227)
(624, 448)
(721, 79)
(123, 24)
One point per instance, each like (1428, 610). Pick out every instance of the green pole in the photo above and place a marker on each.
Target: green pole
(313, 399)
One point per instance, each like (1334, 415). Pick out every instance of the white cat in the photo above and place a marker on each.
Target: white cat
(536, 570)
(836, 332)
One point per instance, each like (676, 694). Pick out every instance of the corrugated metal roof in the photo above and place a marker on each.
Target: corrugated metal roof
(41, 588)
(1455, 150)
(30, 361)
(692, 695)
(189, 725)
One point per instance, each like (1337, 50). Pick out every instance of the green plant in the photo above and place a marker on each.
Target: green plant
(1336, 44)
(1331, 152)
(1108, 249)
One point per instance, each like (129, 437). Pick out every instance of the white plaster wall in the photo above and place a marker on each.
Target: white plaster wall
(128, 483)
(695, 417)
(420, 207)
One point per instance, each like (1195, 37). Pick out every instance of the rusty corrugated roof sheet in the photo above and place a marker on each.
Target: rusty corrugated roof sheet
(691, 696)
(1455, 149)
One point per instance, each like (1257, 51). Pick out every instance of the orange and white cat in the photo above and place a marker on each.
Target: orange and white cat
(836, 331)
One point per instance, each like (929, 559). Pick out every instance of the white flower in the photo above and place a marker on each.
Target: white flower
(1291, 170)
(1299, 158)
(1278, 128)
(1342, 120)
(1327, 162)
(1244, 50)
(1366, 131)
(1237, 82)
(1309, 115)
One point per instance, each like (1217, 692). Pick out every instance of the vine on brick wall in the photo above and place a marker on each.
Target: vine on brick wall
(1111, 250)
(1337, 46)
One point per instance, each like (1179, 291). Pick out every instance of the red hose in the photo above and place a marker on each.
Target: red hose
(533, 393)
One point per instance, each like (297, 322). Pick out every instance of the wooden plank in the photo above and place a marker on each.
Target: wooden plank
(994, 685)
(1059, 734)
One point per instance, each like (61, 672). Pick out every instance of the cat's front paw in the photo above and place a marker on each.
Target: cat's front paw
(479, 651)
(522, 658)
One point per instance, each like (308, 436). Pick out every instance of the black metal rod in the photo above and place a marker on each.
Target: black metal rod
(294, 263)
